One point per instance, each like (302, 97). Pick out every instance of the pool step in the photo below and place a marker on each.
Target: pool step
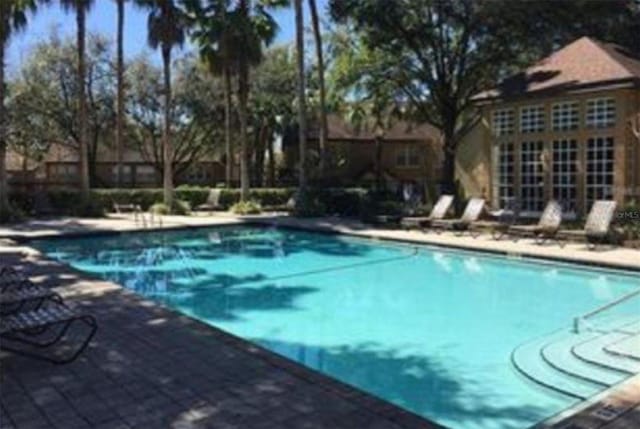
(579, 365)
(593, 351)
(626, 348)
(527, 360)
(558, 354)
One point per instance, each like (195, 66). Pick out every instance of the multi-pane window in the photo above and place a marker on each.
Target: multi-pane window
(531, 177)
(506, 173)
(601, 113)
(408, 156)
(198, 174)
(145, 174)
(532, 119)
(64, 172)
(126, 173)
(503, 122)
(565, 116)
(599, 174)
(565, 157)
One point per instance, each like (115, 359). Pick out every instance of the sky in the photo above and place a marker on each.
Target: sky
(102, 19)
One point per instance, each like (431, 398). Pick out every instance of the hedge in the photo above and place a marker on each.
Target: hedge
(335, 201)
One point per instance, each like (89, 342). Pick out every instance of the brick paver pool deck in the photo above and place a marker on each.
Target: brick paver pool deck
(149, 367)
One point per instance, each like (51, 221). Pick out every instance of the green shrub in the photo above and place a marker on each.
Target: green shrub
(194, 195)
(181, 208)
(246, 208)
(628, 221)
(267, 197)
(309, 205)
(92, 208)
(144, 198)
(348, 202)
(338, 201)
(14, 215)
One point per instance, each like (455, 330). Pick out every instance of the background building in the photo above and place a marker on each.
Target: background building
(560, 129)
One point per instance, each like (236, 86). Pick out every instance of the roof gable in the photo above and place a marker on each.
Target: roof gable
(582, 63)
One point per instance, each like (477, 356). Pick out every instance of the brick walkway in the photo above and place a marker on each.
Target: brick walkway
(149, 367)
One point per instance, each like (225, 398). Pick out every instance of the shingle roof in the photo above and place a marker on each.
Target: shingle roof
(582, 63)
(400, 131)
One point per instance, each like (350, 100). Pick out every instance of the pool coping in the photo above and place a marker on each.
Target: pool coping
(368, 401)
(332, 230)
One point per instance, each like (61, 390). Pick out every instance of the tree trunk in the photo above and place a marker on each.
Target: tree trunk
(167, 152)
(302, 117)
(227, 127)
(323, 129)
(448, 181)
(4, 186)
(272, 161)
(120, 95)
(82, 111)
(378, 165)
(260, 150)
(243, 95)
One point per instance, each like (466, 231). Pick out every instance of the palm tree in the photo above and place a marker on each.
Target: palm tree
(81, 7)
(212, 33)
(231, 41)
(253, 28)
(302, 114)
(120, 91)
(166, 29)
(323, 134)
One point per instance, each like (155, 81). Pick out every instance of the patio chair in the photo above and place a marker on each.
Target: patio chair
(439, 211)
(18, 296)
(212, 203)
(546, 229)
(471, 214)
(9, 276)
(29, 333)
(597, 228)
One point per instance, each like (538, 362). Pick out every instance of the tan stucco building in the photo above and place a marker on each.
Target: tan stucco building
(405, 152)
(560, 129)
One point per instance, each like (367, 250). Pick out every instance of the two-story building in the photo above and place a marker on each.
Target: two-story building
(560, 129)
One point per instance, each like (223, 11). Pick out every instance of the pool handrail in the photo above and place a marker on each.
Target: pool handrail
(578, 319)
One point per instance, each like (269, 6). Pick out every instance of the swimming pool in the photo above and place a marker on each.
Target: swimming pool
(450, 335)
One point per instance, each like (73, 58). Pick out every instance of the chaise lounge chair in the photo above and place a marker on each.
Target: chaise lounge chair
(18, 296)
(212, 203)
(9, 276)
(471, 214)
(597, 228)
(546, 229)
(438, 212)
(28, 333)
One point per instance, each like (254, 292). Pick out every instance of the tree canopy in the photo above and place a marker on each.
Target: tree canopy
(446, 51)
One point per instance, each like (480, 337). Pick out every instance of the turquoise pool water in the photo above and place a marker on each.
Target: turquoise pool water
(429, 330)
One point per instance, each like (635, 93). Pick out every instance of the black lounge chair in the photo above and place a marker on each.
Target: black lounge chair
(18, 296)
(28, 333)
(9, 277)
(471, 214)
(546, 229)
(438, 212)
(597, 228)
